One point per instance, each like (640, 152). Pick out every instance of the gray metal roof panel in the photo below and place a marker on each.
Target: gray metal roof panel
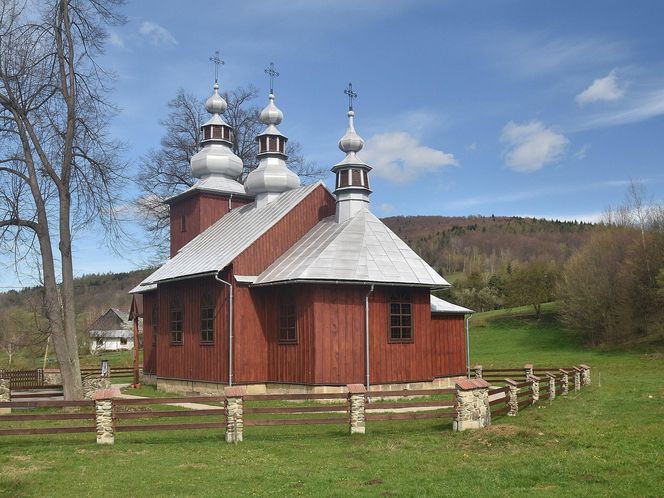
(227, 238)
(439, 305)
(359, 249)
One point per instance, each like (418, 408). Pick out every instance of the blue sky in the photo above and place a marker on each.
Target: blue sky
(543, 109)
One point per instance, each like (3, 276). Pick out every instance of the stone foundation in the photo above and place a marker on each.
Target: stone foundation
(472, 405)
(217, 389)
(149, 379)
(5, 396)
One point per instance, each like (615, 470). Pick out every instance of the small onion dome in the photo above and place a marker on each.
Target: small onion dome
(351, 141)
(271, 114)
(216, 104)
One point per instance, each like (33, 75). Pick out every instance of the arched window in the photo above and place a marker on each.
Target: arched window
(177, 322)
(207, 319)
(401, 318)
(154, 319)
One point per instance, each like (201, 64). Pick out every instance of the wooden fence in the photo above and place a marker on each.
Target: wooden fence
(26, 379)
(344, 409)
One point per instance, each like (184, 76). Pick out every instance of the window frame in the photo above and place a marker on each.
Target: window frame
(176, 307)
(403, 300)
(287, 322)
(207, 304)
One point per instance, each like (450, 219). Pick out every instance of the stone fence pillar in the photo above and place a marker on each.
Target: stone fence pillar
(535, 383)
(52, 377)
(234, 409)
(528, 370)
(585, 375)
(478, 371)
(104, 416)
(552, 386)
(564, 382)
(577, 379)
(357, 400)
(5, 396)
(94, 383)
(472, 405)
(512, 398)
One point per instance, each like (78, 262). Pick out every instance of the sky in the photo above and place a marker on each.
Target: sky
(514, 107)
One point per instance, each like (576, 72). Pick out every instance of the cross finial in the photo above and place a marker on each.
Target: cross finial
(351, 95)
(272, 73)
(217, 61)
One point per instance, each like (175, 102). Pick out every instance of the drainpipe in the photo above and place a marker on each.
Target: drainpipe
(468, 317)
(230, 199)
(230, 326)
(366, 336)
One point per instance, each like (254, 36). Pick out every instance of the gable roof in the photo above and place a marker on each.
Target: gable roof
(439, 305)
(221, 243)
(361, 249)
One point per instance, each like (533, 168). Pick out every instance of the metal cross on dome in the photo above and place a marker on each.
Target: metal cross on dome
(272, 73)
(351, 95)
(217, 61)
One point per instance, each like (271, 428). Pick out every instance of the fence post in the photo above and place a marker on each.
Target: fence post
(552, 386)
(234, 409)
(478, 371)
(577, 379)
(357, 400)
(512, 398)
(104, 416)
(535, 382)
(564, 382)
(472, 405)
(5, 395)
(585, 375)
(528, 370)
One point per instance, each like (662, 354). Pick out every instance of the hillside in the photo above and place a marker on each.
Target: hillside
(485, 243)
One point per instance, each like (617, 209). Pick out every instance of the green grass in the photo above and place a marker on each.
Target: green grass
(604, 441)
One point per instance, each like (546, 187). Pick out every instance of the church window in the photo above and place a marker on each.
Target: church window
(177, 322)
(343, 178)
(183, 223)
(287, 323)
(207, 319)
(154, 319)
(356, 177)
(401, 318)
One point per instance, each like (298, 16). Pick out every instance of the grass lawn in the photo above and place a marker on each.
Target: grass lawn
(606, 441)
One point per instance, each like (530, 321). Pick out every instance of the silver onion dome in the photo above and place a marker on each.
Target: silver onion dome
(271, 114)
(216, 104)
(351, 141)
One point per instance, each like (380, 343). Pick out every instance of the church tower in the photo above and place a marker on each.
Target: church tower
(217, 167)
(352, 174)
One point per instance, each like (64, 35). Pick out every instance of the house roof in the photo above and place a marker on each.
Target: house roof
(112, 334)
(441, 306)
(361, 249)
(123, 315)
(216, 247)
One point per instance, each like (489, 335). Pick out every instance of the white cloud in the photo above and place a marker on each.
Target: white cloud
(158, 35)
(531, 145)
(604, 89)
(115, 39)
(582, 152)
(644, 106)
(400, 157)
(472, 146)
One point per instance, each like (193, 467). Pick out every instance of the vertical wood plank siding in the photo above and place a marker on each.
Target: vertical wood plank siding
(252, 323)
(200, 210)
(149, 351)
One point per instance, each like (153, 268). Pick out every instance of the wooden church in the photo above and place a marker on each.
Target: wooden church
(278, 286)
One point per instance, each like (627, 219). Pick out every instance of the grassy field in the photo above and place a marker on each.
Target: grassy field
(605, 441)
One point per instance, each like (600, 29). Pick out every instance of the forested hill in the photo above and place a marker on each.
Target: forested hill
(484, 243)
(94, 293)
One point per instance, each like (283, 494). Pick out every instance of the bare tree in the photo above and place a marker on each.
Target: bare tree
(166, 172)
(59, 171)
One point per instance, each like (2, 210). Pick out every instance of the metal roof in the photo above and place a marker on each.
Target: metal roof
(439, 305)
(127, 334)
(361, 249)
(217, 246)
